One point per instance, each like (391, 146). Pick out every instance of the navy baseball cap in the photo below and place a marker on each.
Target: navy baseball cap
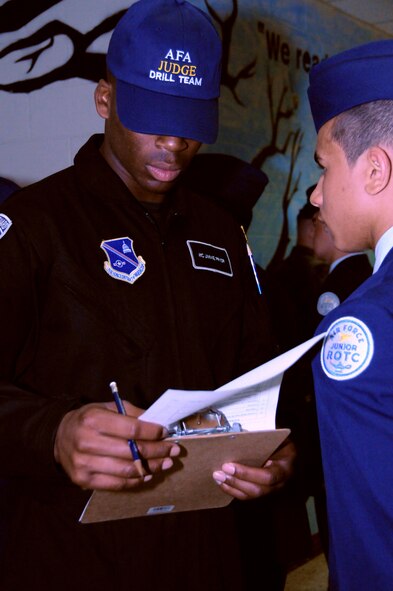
(350, 78)
(166, 58)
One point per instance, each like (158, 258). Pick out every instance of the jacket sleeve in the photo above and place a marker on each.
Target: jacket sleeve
(28, 418)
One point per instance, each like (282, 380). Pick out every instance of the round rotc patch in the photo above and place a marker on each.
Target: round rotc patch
(347, 349)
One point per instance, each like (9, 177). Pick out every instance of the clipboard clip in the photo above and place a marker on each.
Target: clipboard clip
(204, 422)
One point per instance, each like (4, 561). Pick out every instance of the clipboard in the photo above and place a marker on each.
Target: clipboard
(189, 485)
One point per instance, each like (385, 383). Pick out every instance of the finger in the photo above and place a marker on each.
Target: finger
(104, 472)
(105, 419)
(111, 483)
(158, 449)
(238, 494)
(116, 447)
(86, 469)
(246, 482)
(262, 476)
(98, 481)
(272, 474)
(238, 489)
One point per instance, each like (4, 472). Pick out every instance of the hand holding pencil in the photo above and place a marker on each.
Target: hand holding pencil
(131, 443)
(92, 445)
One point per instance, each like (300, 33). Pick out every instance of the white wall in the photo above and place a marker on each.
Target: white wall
(40, 131)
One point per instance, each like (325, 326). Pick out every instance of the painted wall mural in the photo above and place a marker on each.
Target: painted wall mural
(81, 63)
(52, 52)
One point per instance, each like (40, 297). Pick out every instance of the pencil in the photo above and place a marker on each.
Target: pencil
(131, 443)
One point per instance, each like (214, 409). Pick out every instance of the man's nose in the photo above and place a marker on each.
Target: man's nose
(316, 195)
(172, 143)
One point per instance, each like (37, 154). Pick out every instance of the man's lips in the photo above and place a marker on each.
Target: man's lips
(162, 174)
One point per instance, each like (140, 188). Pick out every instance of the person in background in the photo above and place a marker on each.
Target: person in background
(228, 180)
(351, 100)
(7, 187)
(237, 186)
(347, 270)
(296, 283)
(117, 271)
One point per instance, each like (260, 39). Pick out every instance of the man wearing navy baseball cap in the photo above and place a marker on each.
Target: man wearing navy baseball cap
(351, 98)
(116, 270)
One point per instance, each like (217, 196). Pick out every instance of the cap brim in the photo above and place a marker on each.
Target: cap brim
(145, 111)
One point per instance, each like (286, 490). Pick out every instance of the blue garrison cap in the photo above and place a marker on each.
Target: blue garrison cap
(350, 78)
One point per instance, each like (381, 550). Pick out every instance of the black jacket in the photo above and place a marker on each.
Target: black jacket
(192, 320)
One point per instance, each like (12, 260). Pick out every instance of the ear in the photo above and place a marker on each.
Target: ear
(103, 97)
(379, 170)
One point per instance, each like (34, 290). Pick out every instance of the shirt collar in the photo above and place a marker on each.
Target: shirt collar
(384, 244)
(338, 261)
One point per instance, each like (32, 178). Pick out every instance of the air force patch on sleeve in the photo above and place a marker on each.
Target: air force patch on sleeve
(347, 349)
(5, 224)
(122, 263)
